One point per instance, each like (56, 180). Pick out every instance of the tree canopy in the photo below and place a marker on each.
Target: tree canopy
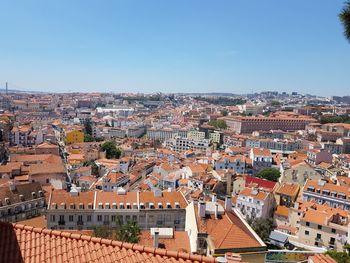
(129, 232)
(88, 138)
(344, 17)
(111, 149)
(340, 257)
(271, 174)
(219, 124)
(261, 226)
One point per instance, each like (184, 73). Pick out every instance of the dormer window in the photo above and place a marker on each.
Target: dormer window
(90, 206)
(114, 205)
(53, 206)
(100, 206)
(81, 206)
(160, 205)
(128, 206)
(121, 205)
(134, 205)
(72, 206)
(21, 197)
(63, 206)
(151, 205)
(177, 205)
(107, 206)
(168, 205)
(33, 194)
(41, 194)
(142, 206)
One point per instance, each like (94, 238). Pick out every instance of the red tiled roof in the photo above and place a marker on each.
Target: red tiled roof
(263, 183)
(19, 243)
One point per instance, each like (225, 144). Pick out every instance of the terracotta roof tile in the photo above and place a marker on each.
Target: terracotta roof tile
(19, 243)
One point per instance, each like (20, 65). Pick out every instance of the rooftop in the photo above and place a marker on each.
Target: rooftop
(20, 243)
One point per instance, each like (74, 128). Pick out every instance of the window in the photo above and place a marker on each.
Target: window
(307, 233)
(307, 223)
(319, 227)
(334, 231)
(99, 218)
(71, 218)
(88, 218)
(52, 218)
(318, 236)
(80, 218)
(113, 218)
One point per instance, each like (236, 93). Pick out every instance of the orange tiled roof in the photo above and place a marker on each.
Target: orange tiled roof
(282, 211)
(19, 243)
(321, 258)
(288, 189)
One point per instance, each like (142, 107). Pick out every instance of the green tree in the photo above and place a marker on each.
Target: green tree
(129, 232)
(340, 257)
(102, 231)
(224, 112)
(271, 174)
(219, 124)
(344, 17)
(88, 138)
(111, 149)
(275, 103)
(261, 226)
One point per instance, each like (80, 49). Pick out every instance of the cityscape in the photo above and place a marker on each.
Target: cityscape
(174, 175)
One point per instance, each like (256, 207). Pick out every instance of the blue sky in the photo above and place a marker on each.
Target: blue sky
(236, 46)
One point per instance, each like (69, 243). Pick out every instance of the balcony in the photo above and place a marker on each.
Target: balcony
(80, 223)
(61, 222)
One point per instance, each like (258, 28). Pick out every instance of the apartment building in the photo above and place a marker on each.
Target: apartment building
(21, 201)
(166, 133)
(323, 226)
(236, 163)
(250, 124)
(112, 181)
(316, 156)
(74, 210)
(255, 203)
(181, 144)
(216, 229)
(327, 193)
(261, 158)
(275, 145)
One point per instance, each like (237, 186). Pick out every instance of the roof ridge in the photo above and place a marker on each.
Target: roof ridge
(126, 245)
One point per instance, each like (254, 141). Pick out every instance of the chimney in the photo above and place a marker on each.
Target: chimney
(201, 209)
(213, 198)
(216, 210)
(228, 203)
(12, 186)
(156, 239)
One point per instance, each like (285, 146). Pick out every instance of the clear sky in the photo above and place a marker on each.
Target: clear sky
(236, 46)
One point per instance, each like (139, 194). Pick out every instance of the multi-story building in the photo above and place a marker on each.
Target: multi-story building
(21, 201)
(323, 226)
(163, 134)
(250, 124)
(236, 163)
(261, 158)
(112, 181)
(84, 210)
(275, 145)
(327, 193)
(316, 156)
(180, 144)
(255, 203)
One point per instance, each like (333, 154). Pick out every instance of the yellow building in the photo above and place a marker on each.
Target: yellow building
(74, 136)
